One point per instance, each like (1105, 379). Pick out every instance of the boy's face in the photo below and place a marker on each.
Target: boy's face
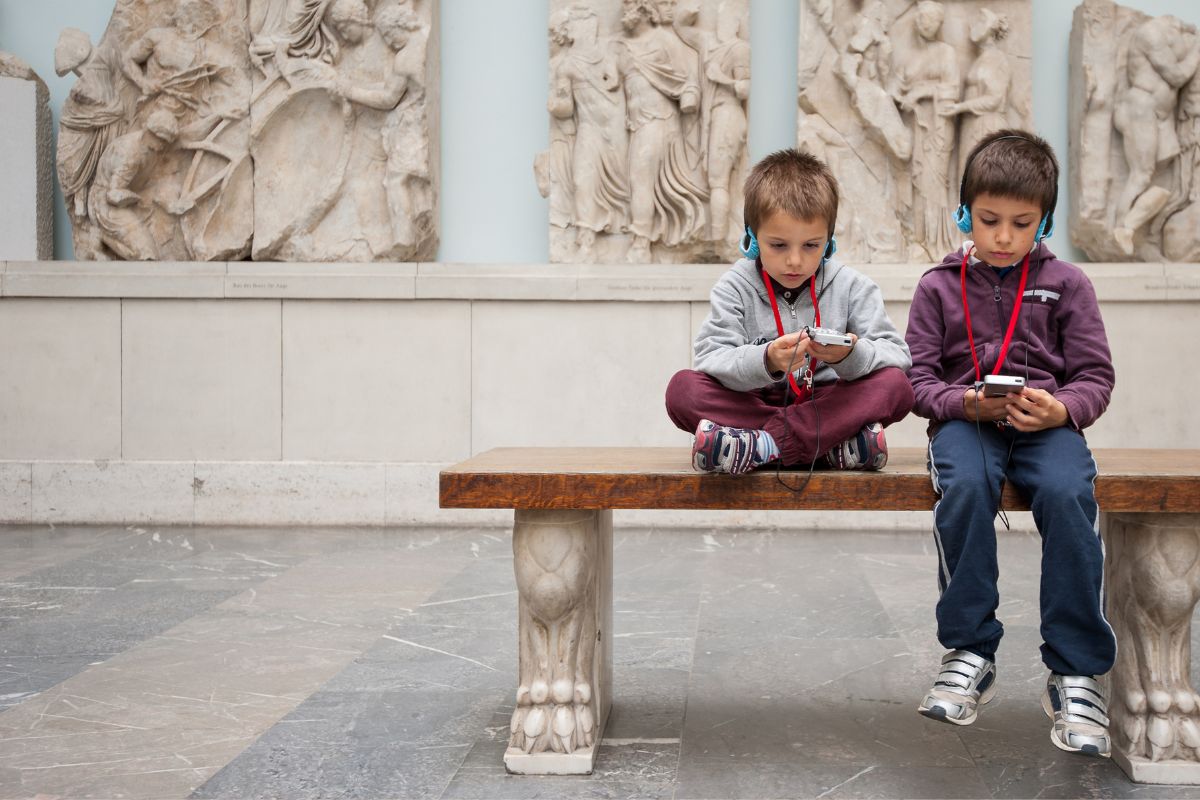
(1003, 228)
(791, 248)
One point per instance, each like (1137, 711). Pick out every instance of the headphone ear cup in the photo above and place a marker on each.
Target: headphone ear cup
(830, 248)
(1045, 229)
(962, 218)
(749, 245)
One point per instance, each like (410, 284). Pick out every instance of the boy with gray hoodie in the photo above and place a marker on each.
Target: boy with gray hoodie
(764, 388)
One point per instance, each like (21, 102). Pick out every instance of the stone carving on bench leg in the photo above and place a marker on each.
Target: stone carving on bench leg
(1135, 103)
(882, 98)
(563, 566)
(1153, 585)
(648, 130)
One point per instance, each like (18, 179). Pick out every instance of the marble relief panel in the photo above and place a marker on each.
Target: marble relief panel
(1135, 124)
(272, 129)
(893, 95)
(647, 109)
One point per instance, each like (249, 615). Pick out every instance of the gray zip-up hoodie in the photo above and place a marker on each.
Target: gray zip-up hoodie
(732, 343)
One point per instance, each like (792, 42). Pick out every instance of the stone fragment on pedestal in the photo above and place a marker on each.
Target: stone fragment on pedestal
(26, 191)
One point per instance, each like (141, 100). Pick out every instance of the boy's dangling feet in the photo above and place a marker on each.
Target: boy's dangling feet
(719, 448)
(866, 450)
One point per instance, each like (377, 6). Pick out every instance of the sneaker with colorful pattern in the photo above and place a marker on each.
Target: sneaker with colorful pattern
(719, 448)
(866, 450)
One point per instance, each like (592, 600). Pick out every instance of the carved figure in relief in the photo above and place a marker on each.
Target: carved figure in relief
(409, 189)
(402, 197)
(586, 89)
(354, 72)
(1155, 580)
(92, 117)
(365, 184)
(1162, 58)
(552, 167)
(114, 202)
(866, 69)
(928, 82)
(1181, 241)
(985, 103)
(172, 62)
(204, 85)
(556, 568)
(661, 79)
(298, 45)
(724, 92)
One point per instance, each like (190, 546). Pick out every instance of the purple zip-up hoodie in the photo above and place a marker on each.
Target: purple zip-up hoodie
(1059, 344)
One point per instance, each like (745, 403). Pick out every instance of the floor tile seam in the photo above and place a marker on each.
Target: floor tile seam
(467, 754)
(688, 690)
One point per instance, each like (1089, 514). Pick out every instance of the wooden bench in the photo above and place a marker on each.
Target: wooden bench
(562, 546)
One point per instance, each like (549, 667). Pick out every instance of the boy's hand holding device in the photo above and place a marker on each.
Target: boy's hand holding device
(829, 345)
(981, 408)
(788, 349)
(1025, 408)
(1036, 410)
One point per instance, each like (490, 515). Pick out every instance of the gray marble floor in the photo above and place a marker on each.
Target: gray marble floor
(304, 663)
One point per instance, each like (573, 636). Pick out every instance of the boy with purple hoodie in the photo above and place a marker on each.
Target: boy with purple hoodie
(1004, 304)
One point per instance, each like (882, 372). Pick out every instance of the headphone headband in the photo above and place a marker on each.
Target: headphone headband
(748, 244)
(962, 216)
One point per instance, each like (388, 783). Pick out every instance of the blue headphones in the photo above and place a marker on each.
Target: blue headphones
(962, 215)
(749, 246)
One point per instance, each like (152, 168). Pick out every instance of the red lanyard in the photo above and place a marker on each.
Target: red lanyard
(1012, 321)
(802, 393)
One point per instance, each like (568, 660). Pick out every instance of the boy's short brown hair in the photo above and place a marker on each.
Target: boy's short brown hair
(1012, 163)
(798, 184)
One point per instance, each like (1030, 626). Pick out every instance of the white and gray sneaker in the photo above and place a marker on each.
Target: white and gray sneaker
(1077, 705)
(966, 682)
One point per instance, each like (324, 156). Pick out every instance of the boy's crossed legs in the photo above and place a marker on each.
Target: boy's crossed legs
(837, 412)
(1055, 469)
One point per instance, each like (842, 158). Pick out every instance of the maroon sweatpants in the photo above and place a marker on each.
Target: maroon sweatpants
(842, 408)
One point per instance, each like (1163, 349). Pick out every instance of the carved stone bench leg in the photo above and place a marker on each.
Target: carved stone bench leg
(1152, 571)
(563, 564)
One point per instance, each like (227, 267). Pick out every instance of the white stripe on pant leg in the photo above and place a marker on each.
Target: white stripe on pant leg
(1103, 557)
(937, 535)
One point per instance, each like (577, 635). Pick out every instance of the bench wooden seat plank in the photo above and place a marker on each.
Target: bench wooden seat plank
(562, 555)
(1164, 481)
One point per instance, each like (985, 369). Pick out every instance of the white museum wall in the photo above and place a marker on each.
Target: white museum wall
(221, 393)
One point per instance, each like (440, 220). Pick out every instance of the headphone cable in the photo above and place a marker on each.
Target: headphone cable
(812, 398)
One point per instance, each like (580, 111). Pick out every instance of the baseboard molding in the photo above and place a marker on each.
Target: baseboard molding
(275, 493)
